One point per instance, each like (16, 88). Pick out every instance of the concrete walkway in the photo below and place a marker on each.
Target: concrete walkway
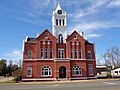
(2, 79)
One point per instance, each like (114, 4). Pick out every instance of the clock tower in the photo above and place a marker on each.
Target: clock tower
(59, 24)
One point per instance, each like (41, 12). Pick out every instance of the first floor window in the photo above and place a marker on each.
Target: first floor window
(46, 71)
(41, 53)
(29, 71)
(90, 67)
(29, 54)
(77, 71)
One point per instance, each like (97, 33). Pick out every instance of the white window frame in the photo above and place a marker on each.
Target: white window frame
(29, 68)
(61, 53)
(29, 54)
(90, 69)
(76, 69)
(48, 70)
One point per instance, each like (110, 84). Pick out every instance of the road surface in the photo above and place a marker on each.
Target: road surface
(93, 85)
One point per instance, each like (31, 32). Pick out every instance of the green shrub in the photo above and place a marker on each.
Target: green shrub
(18, 78)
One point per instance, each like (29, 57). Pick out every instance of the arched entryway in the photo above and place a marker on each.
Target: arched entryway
(62, 72)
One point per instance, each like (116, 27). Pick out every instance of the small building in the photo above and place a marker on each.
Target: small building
(100, 69)
(116, 72)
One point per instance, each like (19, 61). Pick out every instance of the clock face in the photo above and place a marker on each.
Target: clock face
(59, 11)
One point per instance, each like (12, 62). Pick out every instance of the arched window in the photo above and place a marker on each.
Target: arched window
(46, 71)
(89, 55)
(77, 71)
(60, 38)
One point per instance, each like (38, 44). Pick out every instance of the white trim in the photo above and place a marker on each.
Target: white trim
(76, 70)
(90, 74)
(59, 59)
(47, 70)
(34, 79)
(79, 78)
(29, 68)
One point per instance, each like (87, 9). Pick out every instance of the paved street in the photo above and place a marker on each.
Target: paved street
(94, 85)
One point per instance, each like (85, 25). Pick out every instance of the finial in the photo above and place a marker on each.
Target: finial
(58, 2)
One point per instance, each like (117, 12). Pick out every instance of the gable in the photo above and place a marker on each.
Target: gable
(46, 35)
(75, 36)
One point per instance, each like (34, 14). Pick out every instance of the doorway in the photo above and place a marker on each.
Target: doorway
(62, 72)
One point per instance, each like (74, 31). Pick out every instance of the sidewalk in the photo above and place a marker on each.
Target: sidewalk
(73, 81)
(2, 79)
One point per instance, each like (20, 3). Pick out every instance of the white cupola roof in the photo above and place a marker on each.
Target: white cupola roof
(58, 8)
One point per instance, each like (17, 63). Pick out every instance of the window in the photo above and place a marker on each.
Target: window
(75, 37)
(80, 54)
(71, 53)
(51, 53)
(89, 56)
(46, 71)
(46, 36)
(57, 22)
(77, 71)
(90, 67)
(41, 53)
(29, 54)
(60, 22)
(60, 38)
(75, 53)
(29, 71)
(60, 53)
(116, 72)
(46, 53)
(63, 22)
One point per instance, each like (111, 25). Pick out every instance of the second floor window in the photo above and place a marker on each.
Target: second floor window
(89, 55)
(71, 53)
(46, 53)
(29, 54)
(76, 54)
(60, 53)
(80, 54)
(51, 53)
(41, 53)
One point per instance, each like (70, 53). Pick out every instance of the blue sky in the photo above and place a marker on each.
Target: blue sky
(98, 19)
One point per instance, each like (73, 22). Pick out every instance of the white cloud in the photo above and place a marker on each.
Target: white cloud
(94, 6)
(92, 35)
(15, 54)
(114, 3)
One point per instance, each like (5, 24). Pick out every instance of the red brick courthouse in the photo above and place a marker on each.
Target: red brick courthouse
(56, 55)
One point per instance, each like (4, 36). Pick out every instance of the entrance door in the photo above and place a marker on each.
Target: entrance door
(62, 72)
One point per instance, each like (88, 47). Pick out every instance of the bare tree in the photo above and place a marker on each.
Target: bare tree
(19, 63)
(112, 57)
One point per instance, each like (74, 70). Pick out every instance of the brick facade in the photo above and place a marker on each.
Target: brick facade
(45, 59)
